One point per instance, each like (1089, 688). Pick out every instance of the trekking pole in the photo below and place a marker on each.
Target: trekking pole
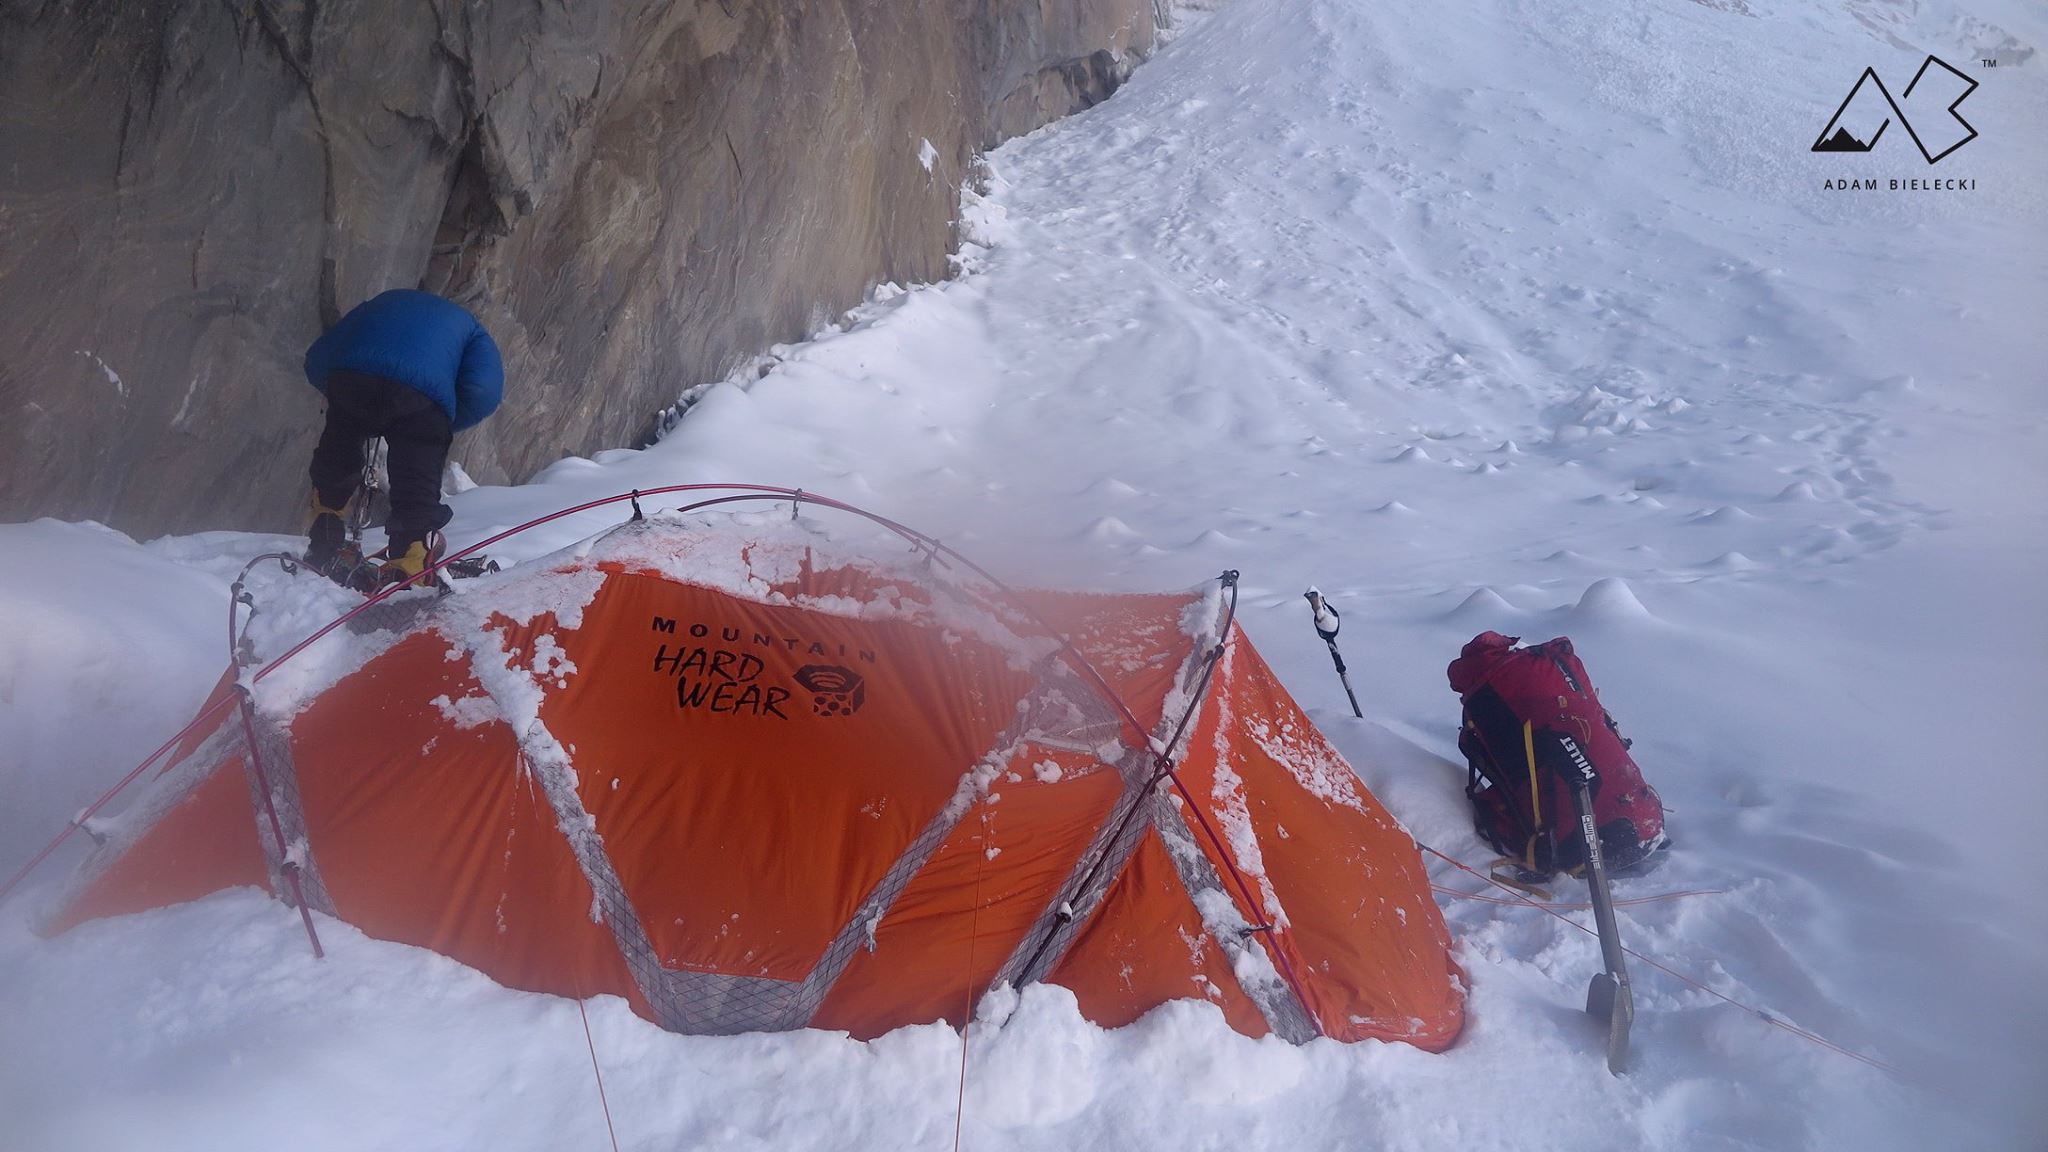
(1326, 627)
(1608, 997)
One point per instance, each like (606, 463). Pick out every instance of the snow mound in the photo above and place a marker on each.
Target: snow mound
(1730, 561)
(1609, 601)
(1110, 530)
(1484, 604)
(1722, 517)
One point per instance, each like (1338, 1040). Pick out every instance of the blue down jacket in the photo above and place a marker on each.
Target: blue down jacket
(422, 341)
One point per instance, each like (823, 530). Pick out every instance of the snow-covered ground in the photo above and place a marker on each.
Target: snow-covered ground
(1480, 314)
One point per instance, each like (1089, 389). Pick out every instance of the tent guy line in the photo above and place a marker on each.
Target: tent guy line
(1767, 1016)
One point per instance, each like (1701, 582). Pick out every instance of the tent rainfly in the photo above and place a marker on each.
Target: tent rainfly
(752, 778)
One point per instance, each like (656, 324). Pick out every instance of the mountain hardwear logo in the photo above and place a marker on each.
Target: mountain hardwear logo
(835, 690)
(1932, 97)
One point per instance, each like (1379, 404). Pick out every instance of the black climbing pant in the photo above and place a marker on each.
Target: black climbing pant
(417, 433)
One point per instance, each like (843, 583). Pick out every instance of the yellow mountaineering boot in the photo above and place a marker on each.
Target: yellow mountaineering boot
(403, 566)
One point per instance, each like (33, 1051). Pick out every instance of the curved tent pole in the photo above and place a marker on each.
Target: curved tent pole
(246, 699)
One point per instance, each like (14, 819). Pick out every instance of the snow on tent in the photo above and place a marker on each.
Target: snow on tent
(751, 779)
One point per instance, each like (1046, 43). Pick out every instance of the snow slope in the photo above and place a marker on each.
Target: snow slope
(1478, 314)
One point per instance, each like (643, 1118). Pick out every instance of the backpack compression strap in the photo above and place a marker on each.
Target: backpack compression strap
(1535, 796)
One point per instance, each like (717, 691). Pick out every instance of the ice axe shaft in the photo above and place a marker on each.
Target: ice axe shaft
(1326, 621)
(1344, 678)
(1608, 997)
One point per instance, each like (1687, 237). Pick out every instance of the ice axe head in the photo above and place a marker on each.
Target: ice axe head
(1325, 616)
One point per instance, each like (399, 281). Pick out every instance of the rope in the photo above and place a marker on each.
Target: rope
(599, 1073)
(1765, 1015)
(967, 984)
(1633, 900)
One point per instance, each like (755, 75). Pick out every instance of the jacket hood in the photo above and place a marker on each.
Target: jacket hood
(1477, 662)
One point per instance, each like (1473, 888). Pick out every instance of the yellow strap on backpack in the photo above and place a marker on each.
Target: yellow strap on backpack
(1494, 874)
(1535, 798)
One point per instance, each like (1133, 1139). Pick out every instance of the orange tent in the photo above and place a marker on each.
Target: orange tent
(751, 781)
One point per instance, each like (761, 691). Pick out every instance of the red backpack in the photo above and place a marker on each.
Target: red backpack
(1533, 727)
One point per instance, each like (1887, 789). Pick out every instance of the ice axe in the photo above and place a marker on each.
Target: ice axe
(1327, 624)
(1608, 997)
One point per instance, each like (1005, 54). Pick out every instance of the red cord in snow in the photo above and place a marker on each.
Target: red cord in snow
(1767, 1017)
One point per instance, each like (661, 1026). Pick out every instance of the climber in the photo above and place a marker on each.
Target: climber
(413, 369)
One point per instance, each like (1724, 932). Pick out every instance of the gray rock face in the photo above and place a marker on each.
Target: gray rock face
(634, 196)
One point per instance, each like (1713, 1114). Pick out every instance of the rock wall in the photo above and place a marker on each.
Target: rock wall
(635, 196)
